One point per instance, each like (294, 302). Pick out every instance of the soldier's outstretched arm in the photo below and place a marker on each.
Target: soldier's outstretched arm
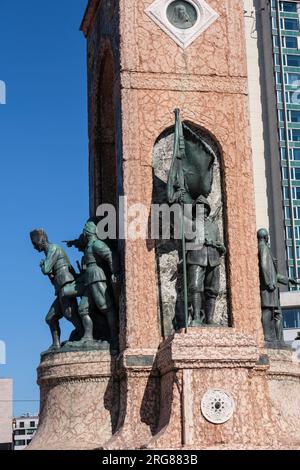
(282, 279)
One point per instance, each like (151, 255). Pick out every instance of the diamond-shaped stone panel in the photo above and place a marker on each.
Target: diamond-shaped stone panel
(157, 11)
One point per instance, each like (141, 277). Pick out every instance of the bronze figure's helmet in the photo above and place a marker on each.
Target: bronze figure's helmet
(90, 228)
(262, 234)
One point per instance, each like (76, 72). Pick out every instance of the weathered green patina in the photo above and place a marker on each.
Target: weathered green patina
(272, 319)
(57, 267)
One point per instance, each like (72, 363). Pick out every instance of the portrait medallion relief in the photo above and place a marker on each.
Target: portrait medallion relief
(182, 20)
(182, 14)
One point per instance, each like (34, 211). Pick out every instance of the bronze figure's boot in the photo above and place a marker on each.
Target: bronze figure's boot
(198, 314)
(55, 333)
(210, 305)
(88, 328)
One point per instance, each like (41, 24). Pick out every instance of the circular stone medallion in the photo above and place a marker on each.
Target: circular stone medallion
(217, 406)
(182, 14)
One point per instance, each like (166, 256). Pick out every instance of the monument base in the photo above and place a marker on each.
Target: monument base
(197, 369)
(284, 386)
(211, 392)
(79, 401)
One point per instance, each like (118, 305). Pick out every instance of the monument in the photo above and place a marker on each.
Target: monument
(184, 364)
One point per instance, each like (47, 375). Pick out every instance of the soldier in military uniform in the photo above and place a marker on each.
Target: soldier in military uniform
(270, 296)
(204, 270)
(58, 268)
(96, 292)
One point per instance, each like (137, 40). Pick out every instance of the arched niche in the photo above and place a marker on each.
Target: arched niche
(168, 253)
(105, 162)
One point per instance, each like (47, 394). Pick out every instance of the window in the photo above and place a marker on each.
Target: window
(287, 212)
(291, 42)
(296, 154)
(295, 116)
(20, 443)
(21, 424)
(277, 59)
(30, 431)
(284, 173)
(278, 78)
(32, 424)
(291, 318)
(28, 441)
(291, 272)
(286, 193)
(293, 78)
(289, 96)
(291, 24)
(290, 253)
(288, 6)
(296, 135)
(289, 233)
(297, 173)
(296, 210)
(280, 115)
(19, 432)
(282, 133)
(297, 192)
(292, 60)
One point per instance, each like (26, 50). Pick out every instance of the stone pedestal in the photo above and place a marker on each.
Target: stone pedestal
(284, 386)
(139, 399)
(204, 360)
(79, 401)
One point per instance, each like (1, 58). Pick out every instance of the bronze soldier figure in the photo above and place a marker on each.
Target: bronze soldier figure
(96, 292)
(270, 295)
(58, 268)
(190, 182)
(204, 270)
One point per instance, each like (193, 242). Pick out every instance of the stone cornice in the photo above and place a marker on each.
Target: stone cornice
(191, 83)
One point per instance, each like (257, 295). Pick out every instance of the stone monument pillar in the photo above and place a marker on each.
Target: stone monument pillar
(209, 387)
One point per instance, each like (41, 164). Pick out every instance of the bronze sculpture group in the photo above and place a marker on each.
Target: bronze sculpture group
(93, 285)
(190, 182)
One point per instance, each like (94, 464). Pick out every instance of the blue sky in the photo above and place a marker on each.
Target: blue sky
(43, 171)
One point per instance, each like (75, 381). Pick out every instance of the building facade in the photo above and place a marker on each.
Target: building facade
(24, 428)
(273, 52)
(6, 391)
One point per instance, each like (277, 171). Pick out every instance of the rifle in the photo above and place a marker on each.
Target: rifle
(70, 243)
